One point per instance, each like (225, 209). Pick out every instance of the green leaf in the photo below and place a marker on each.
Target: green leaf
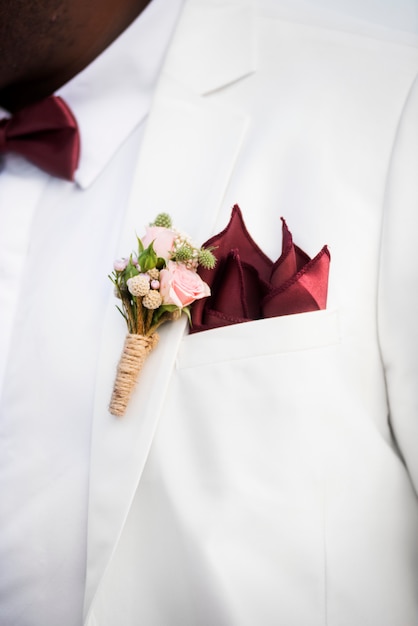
(140, 246)
(130, 270)
(122, 313)
(164, 308)
(186, 310)
(147, 260)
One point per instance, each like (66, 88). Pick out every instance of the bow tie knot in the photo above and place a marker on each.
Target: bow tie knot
(46, 133)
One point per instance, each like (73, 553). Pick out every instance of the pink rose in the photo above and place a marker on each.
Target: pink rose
(181, 286)
(163, 239)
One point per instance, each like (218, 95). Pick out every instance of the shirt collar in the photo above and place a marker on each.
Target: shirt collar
(112, 96)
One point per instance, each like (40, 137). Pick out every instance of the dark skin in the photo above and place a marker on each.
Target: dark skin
(44, 43)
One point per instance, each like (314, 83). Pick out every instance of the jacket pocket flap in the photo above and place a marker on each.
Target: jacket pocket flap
(288, 333)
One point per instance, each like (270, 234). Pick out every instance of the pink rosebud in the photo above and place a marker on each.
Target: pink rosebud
(120, 264)
(162, 238)
(155, 284)
(181, 286)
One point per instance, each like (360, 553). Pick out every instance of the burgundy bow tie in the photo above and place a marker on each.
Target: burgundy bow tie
(46, 133)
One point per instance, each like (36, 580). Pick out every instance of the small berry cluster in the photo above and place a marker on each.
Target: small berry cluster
(146, 286)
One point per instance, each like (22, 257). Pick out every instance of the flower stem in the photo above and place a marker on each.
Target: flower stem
(148, 321)
(130, 313)
(140, 328)
(166, 317)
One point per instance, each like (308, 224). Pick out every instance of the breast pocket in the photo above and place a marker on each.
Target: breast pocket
(267, 337)
(259, 390)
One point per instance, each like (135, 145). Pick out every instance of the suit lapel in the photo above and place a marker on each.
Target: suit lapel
(186, 159)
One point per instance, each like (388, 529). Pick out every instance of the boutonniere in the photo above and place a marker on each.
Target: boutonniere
(155, 285)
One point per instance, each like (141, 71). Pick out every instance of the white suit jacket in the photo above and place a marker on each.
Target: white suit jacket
(264, 473)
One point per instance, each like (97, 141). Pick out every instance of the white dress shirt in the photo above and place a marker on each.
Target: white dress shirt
(40, 219)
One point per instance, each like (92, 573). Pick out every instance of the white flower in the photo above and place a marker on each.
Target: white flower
(138, 285)
(152, 300)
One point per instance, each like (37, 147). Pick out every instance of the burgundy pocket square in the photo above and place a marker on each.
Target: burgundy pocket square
(246, 285)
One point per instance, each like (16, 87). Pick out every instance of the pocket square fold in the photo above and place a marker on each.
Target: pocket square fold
(246, 285)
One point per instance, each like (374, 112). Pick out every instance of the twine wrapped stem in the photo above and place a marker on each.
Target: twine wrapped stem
(135, 351)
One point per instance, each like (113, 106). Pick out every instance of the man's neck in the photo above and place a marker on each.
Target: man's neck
(44, 46)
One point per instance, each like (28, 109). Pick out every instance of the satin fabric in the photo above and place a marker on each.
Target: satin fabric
(246, 285)
(46, 133)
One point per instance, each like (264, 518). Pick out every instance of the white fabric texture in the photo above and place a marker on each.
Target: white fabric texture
(271, 490)
(255, 478)
(47, 225)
